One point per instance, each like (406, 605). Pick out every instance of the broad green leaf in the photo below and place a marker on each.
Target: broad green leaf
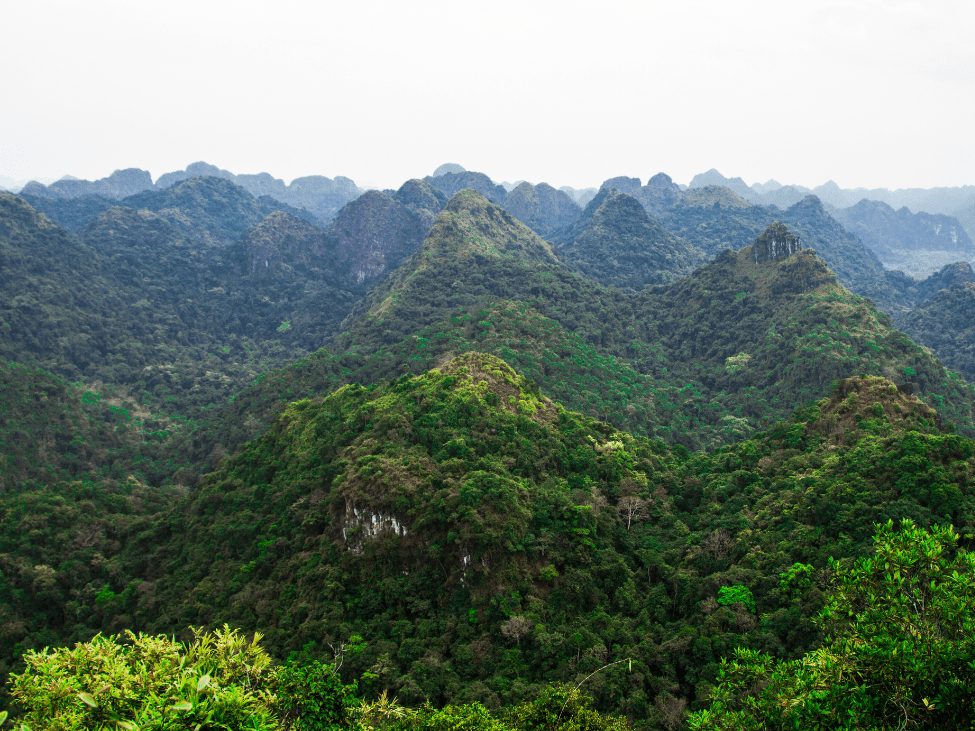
(203, 682)
(85, 698)
(183, 706)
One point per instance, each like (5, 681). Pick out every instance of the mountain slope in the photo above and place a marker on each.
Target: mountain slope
(615, 243)
(211, 210)
(462, 524)
(917, 243)
(946, 324)
(138, 303)
(374, 234)
(542, 208)
(72, 214)
(701, 362)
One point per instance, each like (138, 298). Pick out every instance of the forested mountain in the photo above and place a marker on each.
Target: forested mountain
(615, 243)
(120, 184)
(916, 243)
(700, 362)
(452, 183)
(138, 302)
(946, 324)
(72, 214)
(463, 458)
(423, 199)
(465, 529)
(322, 197)
(212, 210)
(542, 208)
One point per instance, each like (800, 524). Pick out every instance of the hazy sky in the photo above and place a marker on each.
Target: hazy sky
(867, 93)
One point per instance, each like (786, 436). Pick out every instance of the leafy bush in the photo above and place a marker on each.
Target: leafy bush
(218, 680)
(312, 698)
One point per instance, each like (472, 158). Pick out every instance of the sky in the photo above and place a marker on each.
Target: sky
(868, 93)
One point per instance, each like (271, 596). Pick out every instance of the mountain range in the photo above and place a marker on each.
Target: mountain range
(503, 440)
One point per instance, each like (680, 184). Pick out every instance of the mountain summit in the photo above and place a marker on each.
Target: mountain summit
(776, 242)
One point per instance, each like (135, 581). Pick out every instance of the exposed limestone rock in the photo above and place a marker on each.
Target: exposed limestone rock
(777, 242)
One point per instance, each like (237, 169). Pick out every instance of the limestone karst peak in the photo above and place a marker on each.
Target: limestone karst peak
(776, 242)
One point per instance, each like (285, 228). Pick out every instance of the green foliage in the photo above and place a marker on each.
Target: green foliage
(561, 708)
(557, 708)
(381, 716)
(218, 680)
(456, 537)
(731, 595)
(797, 580)
(312, 698)
(899, 650)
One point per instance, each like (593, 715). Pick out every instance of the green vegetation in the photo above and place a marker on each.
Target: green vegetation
(217, 680)
(502, 486)
(945, 324)
(456, 538)
(615, 243)
(898, 650)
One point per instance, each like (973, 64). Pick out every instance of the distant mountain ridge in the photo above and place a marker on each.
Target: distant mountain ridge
(943, 200)
(321, 195)
(916, 243)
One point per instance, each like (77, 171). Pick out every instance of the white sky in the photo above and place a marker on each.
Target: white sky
(875, 93)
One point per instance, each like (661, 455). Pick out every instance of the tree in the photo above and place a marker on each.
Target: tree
(899, 649)
(631, 508)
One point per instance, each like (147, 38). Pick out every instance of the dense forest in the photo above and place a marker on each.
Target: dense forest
(452, 456)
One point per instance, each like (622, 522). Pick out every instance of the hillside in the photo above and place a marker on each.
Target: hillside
(72, 214)
(615, 243)
(452, 183)
(542, 208)
(916, 243)
(462, 524)
(423, 199)
(138, 303)
(319, 195)
(499, 474)
(701, 362)
(374, 234)
(946, 324)
(120, 184)
(213, 211)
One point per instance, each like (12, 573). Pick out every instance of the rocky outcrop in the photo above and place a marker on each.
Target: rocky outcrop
(374, 234)
(777, 242)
